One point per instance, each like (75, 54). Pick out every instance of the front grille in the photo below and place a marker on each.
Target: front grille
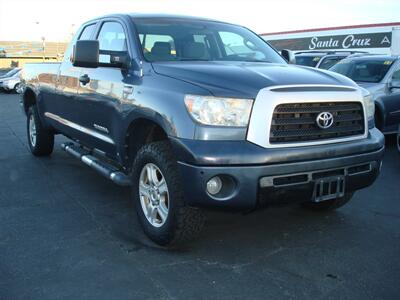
(296, 122)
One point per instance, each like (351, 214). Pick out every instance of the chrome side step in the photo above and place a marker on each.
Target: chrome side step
(107, 170)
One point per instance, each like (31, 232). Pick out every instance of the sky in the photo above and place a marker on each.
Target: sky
(55, 20)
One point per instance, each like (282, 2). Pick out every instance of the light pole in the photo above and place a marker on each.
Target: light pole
(44, 47)
(43, 39)
(72, 32)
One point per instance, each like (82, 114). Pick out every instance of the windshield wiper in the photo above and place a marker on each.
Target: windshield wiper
(257, 60)
(193, 59)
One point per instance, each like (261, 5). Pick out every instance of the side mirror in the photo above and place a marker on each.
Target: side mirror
(394, 84)
(117, 59)
(86, 54)
(288, 55)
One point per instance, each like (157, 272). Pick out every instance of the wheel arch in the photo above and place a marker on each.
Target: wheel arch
(139, 132)
(29, 98)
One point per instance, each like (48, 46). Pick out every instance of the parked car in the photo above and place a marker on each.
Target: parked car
(380, 75)
(209, 115)
(11, 81)
(321, 59)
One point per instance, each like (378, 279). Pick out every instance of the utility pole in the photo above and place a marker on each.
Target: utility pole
(72, 32)
(44, 47)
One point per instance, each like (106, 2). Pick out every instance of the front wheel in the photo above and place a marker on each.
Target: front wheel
(40, 140)
(159, 201)
(18, 88)
(328, 205)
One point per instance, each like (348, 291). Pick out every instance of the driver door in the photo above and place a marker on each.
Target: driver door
(102, 97)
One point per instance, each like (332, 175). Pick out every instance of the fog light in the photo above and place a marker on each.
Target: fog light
(214, 185)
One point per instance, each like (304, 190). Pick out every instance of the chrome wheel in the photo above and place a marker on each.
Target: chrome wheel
(18, 88)
(153, 193)
(32, 130)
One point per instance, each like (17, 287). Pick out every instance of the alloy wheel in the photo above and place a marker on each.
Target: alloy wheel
(32, 130)
(154, 196)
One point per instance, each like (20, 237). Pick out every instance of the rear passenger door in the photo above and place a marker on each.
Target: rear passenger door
(64, 108)
(101, 98)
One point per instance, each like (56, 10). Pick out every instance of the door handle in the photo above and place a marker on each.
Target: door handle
(84, 79)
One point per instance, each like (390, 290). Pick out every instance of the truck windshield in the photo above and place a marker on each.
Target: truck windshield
(11, 73)
(164, 39)
(309, 61)
(363, 70)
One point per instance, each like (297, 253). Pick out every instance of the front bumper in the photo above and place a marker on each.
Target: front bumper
(254, 169)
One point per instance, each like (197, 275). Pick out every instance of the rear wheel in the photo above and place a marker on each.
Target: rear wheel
(40, 140)
(328, 205)
(159, 201)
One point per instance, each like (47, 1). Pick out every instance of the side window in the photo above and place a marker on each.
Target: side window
(87, 32)
(112, 37)
(235, 45)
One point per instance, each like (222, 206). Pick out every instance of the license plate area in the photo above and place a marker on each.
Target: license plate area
(329, 188)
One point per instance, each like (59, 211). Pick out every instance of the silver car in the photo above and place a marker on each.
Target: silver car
(11, 81)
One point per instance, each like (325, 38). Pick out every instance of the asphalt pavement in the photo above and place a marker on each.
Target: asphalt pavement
(68, 233)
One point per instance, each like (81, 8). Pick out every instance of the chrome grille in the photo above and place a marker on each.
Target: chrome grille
(296, 122)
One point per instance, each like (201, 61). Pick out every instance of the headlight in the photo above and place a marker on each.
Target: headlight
(219, 111)
(369, 104)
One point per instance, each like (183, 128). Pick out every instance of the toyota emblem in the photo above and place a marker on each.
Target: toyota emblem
(324, 120)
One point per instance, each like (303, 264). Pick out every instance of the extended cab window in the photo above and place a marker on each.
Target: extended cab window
(87, 32)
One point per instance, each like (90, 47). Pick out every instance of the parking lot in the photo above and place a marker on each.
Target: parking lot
(68, 233)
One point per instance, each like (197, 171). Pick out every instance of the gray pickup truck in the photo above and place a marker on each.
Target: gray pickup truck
(195, 113)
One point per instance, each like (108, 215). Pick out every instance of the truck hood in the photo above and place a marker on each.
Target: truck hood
(245, 79)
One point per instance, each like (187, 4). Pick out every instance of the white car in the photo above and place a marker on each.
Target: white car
(11, 81)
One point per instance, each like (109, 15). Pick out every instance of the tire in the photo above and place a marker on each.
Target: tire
(181, 223)
(328, 205)
(40, 140)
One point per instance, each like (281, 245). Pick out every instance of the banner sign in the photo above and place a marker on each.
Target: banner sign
(349, 41)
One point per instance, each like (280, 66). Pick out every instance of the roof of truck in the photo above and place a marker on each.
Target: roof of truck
(157, 16)
(168, 16)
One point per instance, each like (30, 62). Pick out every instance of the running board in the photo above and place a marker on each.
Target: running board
(107, 170)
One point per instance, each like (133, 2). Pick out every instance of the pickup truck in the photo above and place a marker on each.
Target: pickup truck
(195, 113)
